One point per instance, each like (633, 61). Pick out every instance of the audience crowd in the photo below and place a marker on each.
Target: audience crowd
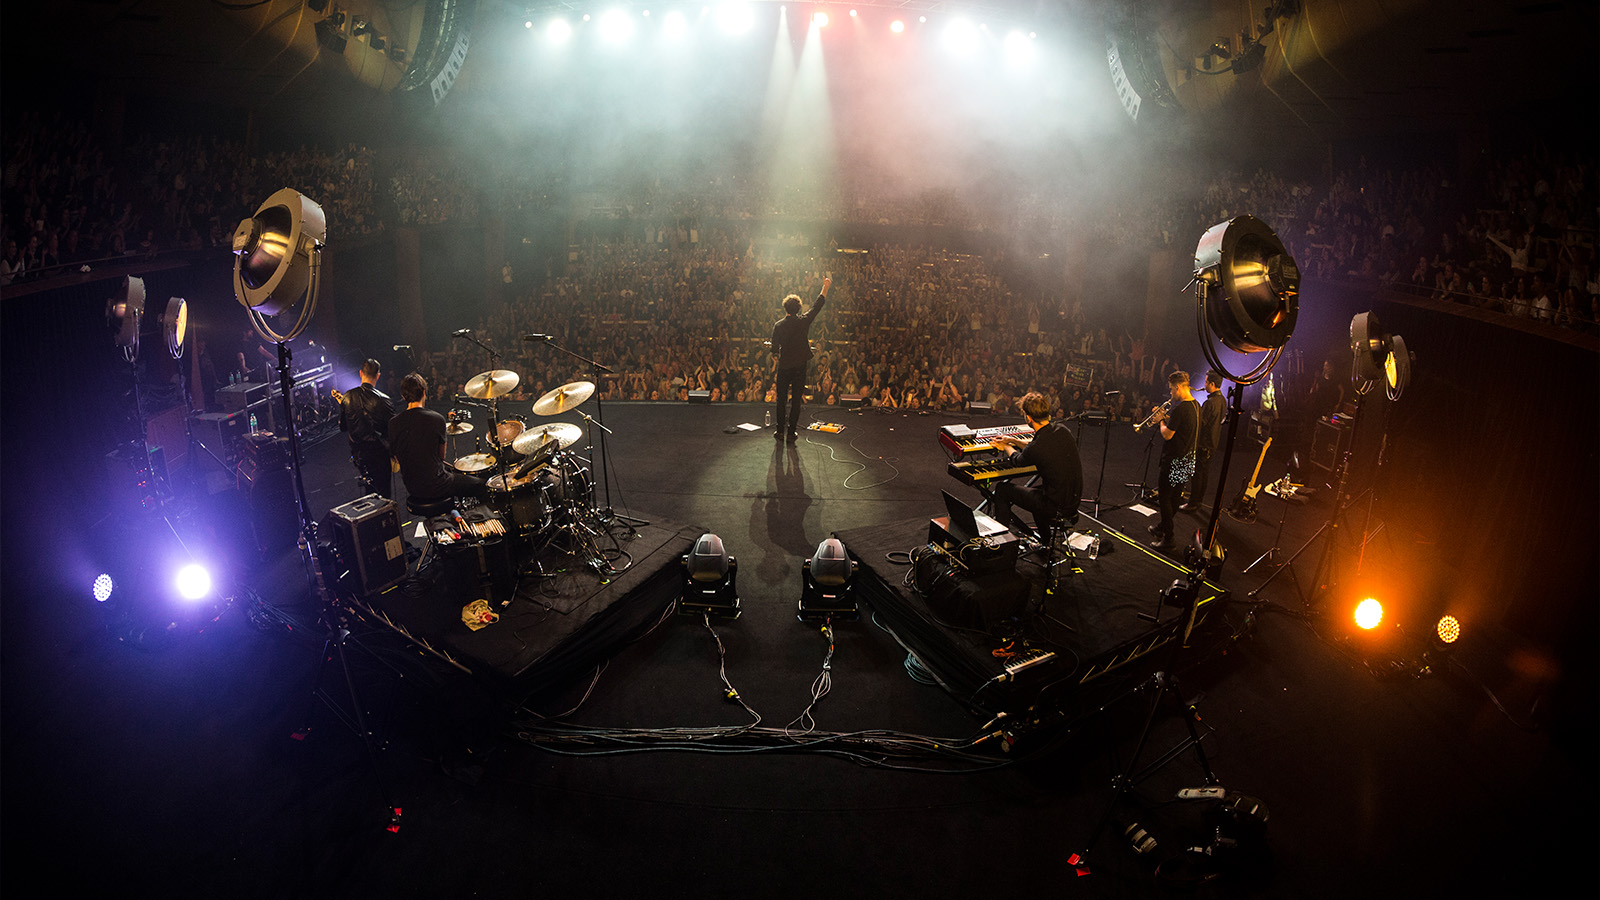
(687, 299)
(905, 328)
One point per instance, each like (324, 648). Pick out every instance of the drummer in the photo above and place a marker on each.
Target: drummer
(417, 442)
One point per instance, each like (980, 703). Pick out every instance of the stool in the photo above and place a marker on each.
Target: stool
(424, 509)
(1051, 529)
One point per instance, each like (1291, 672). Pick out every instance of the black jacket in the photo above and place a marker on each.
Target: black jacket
(365, 415)
(790, 341)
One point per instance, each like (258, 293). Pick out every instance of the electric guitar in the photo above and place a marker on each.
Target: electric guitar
(1244, 506)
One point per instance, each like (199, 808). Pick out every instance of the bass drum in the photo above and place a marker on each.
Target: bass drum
(567, 485)
(524, 503)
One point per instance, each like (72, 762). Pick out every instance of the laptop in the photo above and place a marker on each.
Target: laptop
(967, 523)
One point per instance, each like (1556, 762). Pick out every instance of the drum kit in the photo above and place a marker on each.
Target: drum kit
(535, 480)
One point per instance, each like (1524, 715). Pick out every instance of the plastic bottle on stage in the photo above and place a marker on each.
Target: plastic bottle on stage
(1094, 547)
(769, 418)
(253, 429)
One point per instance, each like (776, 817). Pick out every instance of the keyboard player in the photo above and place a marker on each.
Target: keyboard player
(1054, 453)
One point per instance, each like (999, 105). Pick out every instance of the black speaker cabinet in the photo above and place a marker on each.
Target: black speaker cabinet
(966, 600)
(1329, 443)
(366, 532)
(269, 486)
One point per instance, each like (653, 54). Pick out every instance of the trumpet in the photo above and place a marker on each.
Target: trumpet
(1154, 417)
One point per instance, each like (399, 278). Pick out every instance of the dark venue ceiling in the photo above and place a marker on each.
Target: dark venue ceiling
(1328, 69)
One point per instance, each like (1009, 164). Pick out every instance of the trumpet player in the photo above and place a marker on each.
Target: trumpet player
(1179, 421)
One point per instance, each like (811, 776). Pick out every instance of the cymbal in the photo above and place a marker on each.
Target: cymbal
(458, 428)
(491, 384)
(475, 462)
(559, 400)
(563, 434)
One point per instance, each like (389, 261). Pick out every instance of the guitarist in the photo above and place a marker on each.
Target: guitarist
(1211, 413)
(364, 415)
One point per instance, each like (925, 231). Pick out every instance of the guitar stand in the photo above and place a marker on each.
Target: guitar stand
(1271, 556)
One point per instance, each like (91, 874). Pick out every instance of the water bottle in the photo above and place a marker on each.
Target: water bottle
(769, 418)
(1094, 547)
(253, 429)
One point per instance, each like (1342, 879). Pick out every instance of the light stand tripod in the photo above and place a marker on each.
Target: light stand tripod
(1331, 527)
(277, 262)
(1247, 286)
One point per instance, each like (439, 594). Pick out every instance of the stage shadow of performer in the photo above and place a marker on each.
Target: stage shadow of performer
(784, 507)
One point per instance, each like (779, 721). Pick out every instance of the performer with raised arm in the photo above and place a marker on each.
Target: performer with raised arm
(791, 351)
(1053, 451)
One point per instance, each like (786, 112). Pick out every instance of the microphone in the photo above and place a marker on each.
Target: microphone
(538, 337)
(462, 333)
(402, 346)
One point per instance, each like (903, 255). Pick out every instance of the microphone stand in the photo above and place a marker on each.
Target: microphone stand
(1105, 448)
(607, 515)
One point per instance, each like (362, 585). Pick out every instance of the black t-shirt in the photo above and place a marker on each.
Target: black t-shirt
(415, 438)
(1054, 452)
(1184, 423)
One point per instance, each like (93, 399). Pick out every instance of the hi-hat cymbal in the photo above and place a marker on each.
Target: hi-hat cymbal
(458, 428)
(568, 396)
(475, 462)
(564, 434)
(491, 384)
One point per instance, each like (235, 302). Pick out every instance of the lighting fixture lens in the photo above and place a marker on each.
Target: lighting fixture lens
(103, 588)
(193, 582)
(1449, 629)
(1369, 613)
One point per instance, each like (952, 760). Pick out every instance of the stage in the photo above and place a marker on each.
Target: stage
(1415, 775)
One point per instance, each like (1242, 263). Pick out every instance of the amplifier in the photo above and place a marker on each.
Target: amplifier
(220, 433)
(235, 397)
(366, 533)
(1329, 441)
(990, 553)
(265, 449)
(269, 487)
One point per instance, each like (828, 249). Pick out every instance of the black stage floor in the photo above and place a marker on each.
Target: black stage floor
(173, 770)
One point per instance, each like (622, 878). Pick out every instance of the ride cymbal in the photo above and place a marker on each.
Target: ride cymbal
(559, 400)
(491, 384)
